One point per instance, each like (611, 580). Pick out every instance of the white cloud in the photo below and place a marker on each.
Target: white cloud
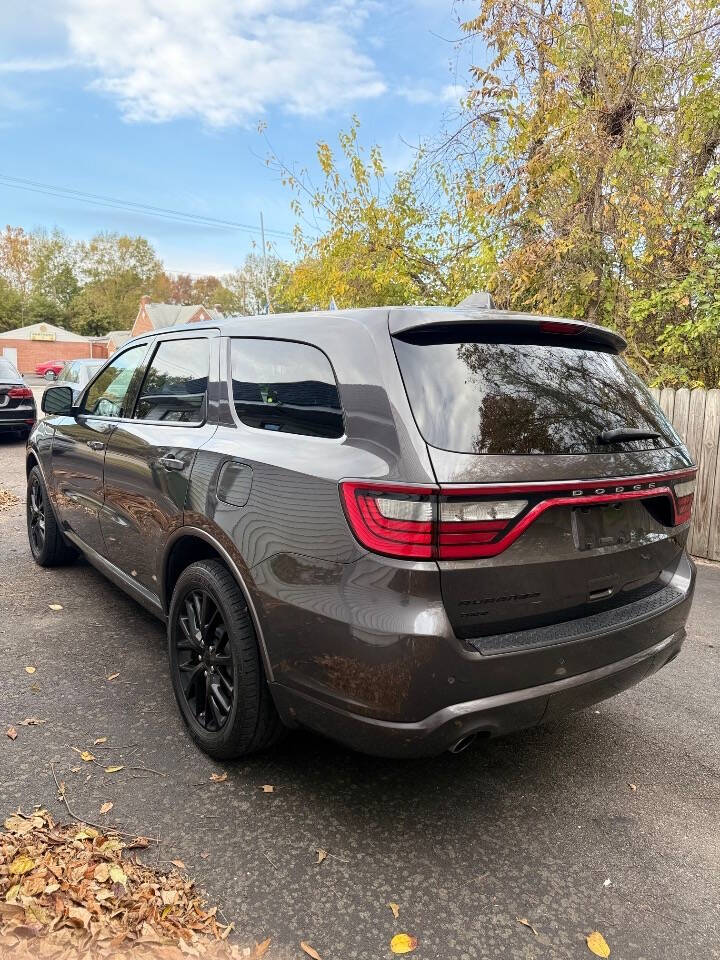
(451, 93)
(225, 61)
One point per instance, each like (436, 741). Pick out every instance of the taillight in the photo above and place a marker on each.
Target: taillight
(461, 523)
(466, 526)
(20, 393)
(394, 520)
(562, 327)
(684, 495)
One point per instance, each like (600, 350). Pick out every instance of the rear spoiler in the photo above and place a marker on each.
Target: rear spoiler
(415, 319)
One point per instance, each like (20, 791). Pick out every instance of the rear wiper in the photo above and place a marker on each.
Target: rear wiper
(627, 433)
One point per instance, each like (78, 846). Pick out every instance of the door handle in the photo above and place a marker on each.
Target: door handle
(172, 463)
(96, 444)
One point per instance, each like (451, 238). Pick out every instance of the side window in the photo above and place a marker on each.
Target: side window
(69, 373)
(285, 386)
(175, 384)
(107, 395)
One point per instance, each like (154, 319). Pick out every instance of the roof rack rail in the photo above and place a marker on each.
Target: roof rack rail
(481, 299)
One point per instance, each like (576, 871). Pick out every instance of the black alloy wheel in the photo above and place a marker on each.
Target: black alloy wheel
(205, 660)
(216, 667)
(36, 515)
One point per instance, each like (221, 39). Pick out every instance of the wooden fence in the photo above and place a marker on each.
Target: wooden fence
(695, 414)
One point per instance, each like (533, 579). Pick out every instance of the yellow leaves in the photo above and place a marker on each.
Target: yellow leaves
(117, 875)
(114, 769)
(113, 676)
(597, 944)
(55, 606)
(106, 807)
(96, 743)
(403, 943)
(321, 855)
(30, 670)
(21, 864)
(395, 909)
(310, 951)
(86, 756)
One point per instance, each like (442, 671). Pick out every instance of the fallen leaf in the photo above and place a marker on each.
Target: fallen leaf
(607, 882)
(204, 855)
(178, 863)
(268, 788)
(102, 872)
(87, 756)
(11, 733)
(219, 777)
(403, 943)
(306, 948)
(261, 949)
(80, 915)
(21, 864)
(106, 807)
(633, 787)
(31, 722)
(33, 886)
(526, 923)
(117, 875)
(114, 769)
(55, 606)
(99, 741)
(395, 909)
(321, 855)
(20, 825)
(30, 669)
(113, 676)
(597, 944)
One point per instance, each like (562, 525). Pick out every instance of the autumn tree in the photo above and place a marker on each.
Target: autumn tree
(594, 132)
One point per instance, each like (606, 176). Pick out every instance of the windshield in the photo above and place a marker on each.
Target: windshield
(523, 394)
(7, 370)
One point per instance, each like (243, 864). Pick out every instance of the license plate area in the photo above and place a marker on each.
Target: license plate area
(600, 526)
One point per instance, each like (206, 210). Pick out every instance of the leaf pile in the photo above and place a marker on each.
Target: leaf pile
(69, 891)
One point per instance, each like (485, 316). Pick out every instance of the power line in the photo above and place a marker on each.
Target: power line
(130, 206)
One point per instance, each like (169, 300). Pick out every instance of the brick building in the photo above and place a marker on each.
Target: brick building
(26, 347)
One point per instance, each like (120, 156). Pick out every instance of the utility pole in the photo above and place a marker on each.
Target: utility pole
(265, 273)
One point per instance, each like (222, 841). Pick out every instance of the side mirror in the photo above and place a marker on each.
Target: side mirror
(58, 401)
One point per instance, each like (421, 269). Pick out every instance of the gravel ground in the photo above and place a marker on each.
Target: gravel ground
(606, 820)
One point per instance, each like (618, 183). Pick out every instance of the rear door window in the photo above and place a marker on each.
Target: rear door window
(176, 382)
(284, 386)
(486, 391)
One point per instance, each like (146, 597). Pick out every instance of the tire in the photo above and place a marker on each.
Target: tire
(195, 637)
(48, 546)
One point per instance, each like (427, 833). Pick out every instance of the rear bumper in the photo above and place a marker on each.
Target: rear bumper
(26, 422)
(489, 716)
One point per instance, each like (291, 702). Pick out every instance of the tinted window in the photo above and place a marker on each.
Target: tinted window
(108, 394)
(523, 395)
(176, 382)
(285, 386)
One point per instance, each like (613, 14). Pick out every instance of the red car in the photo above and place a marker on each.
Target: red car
(50, 369)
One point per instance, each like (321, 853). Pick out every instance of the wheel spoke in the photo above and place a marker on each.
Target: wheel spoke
(204, 659)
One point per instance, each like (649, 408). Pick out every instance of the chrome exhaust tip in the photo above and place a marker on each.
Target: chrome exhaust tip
(463, 743)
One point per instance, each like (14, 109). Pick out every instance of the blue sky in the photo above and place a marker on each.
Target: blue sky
(158, 102)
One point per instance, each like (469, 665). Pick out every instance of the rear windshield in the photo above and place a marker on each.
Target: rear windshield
(7, 370)
(474, 392)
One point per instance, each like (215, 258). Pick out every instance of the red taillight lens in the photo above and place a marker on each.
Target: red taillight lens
(684, 495)
(20, 393)
(561, 327)
(395, 520)
(420, 522)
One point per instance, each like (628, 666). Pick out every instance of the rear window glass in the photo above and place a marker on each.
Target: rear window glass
(7, 370)
(474, 392)
(286, 387)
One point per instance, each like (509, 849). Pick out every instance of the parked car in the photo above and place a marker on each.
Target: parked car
(18, 412)
(78, 373)
(50, 369)
(401, 527)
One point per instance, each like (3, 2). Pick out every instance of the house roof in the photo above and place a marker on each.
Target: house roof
(163, 315)
(26, 333)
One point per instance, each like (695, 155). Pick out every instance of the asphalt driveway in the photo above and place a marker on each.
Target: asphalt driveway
(606, 820)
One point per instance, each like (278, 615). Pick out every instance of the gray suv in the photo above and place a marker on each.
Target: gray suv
(401, 527)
